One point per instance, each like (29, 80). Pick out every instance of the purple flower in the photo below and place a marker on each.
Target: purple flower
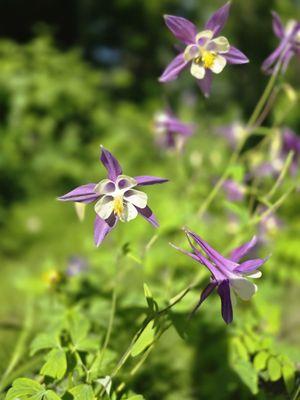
(205, 51)
(233, 133)
(76, 265)
(228, 275)
(268, 226)
(235, 191)
(116, 197)
(170, 131)
(291, 142)
(289, 44)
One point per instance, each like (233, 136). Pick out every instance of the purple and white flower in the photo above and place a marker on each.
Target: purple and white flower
(233, 133)
(116, 197)
(170, 131)
(235, 191)
(289, 44)
(229, 276)
(206, 52)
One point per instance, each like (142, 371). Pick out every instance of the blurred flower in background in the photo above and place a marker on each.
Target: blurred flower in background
(289, 45)
(170, 132)
(234, 191)
(234, 133)
(76, 266)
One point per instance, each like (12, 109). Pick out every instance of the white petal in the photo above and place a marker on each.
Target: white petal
(191, 51)
(105, 186)
(207, 34)
(218, 64)
(243, 288)
(104, 207)
(136, 197)
(233, 298)
(254, 275)
(220, 44)
(197, 70)
(125, 182)
(129, 212)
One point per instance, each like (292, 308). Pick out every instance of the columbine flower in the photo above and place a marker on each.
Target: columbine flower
(233, 133)
(205, 51)
(170, 131)
(235, 191)
(116, 197)
(228, 275)
(76, 266)
(289, 44)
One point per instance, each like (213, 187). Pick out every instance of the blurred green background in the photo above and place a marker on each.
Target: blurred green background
(76, 74)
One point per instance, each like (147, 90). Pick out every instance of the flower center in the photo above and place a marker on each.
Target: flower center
(118, 206)
(208, 58)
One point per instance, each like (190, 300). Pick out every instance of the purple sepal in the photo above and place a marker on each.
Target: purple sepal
(144, 180)
(103, 227)
(183, 29)
(111, 164)
(240, 252)
(173, 69)
(250, 265)
(217, 21)
(226, 306)
(205, 83)
(270, 60)
(204, 294)
(148, 215)
(235, 56)
(82, 194)
(278, 28)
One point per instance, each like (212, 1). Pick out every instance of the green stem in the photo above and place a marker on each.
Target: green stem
(250, 125)
(20, 345)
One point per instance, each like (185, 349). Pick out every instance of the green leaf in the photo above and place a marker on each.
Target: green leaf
(50, 395)
(24, 387)
(79, 328)
(260, 360)
(274, 369)
(144, 340)
(288, 374)
(56, 364)
(82, 392)
(240, 349)
(250, 344)
(247, 374)
(149, 298)
(136, 397)
(44, 341)
(106, 383)
(87, 344)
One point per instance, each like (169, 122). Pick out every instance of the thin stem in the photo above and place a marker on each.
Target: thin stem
(296, 394)
(280, 178)
(20, 345)
(250, 125)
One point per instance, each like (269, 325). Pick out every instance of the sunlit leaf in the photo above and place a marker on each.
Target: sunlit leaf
(56, 364)
(144, 340)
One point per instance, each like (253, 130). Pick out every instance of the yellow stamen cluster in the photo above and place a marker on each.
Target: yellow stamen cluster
(118, 206)
(208, 59)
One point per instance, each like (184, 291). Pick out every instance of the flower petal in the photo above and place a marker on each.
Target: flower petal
(235, 56)
(278, 28)
(105, 186)
(182, 29)
(129, 212)
(254, 275)
(226, 306)
(250, 265)
(136, 197)
(177, 126)
(244, 288)
(173, 69)
(102, 228)
(148, 215)
(201, 36)
(218, 64)
(205, 83)
(125, 182)
(271, 59)
(104, 207)
(215, 257)
(144, 180)
(219, 44)
(218, 19)
(82, 194)
(111, 164)
(191, 51)
(197, 70)
(187, 253)
(204, 294)
(241, 251)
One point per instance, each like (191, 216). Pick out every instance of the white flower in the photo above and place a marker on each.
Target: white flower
(119, 198)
